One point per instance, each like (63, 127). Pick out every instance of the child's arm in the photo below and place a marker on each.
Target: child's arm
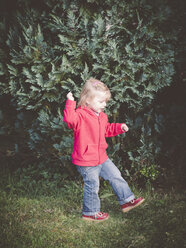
(113, 129)
(70, 115)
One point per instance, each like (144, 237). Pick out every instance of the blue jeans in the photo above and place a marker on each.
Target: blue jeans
(108, 171)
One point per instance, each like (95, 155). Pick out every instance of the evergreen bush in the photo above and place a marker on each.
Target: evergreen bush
(52, 50)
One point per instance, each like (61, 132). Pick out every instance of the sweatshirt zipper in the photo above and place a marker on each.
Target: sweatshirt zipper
(99, 140)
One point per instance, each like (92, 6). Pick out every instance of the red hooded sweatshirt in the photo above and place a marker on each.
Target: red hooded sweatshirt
(90, 131)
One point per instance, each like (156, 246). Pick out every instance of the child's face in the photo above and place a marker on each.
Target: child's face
(98, 103)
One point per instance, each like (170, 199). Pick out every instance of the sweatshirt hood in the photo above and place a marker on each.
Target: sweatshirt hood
(90, 111)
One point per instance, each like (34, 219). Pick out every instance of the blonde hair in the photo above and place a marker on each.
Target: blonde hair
(89, 90)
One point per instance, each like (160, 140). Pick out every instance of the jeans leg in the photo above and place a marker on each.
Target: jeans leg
(91, 201)
(111, 173)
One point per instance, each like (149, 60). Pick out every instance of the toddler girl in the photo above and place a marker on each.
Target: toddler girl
(90, 126)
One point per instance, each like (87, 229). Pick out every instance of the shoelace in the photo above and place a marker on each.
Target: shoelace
(99, 214)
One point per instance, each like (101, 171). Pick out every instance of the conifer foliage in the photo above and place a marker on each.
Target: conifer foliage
(52, 50)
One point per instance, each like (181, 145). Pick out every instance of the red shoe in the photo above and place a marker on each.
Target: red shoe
(132, 204)
(97, 217)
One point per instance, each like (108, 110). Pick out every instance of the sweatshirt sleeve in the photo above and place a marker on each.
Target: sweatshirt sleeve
(113, 129)
(70, 115)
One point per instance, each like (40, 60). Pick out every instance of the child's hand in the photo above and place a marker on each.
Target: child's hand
(124, 127)
(70, 96)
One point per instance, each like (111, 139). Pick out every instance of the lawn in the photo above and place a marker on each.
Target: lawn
(46, 214)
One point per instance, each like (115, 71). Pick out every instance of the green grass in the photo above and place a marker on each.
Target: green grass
(45, 215)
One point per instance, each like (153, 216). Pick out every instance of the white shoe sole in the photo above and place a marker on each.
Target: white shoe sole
(89, 219)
